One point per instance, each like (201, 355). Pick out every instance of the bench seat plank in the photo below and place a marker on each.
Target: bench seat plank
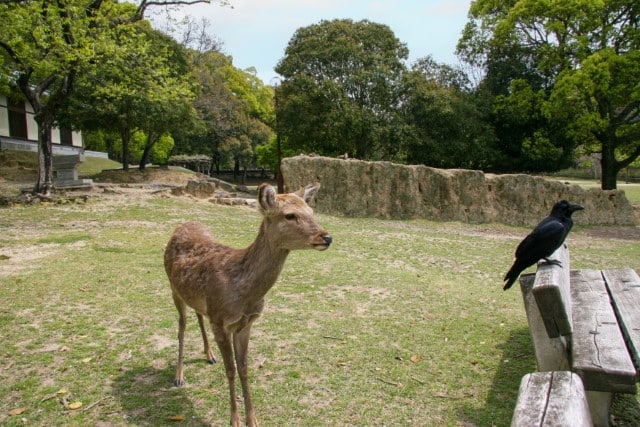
(624, 288)
(552, 293)
(551, 399)
(598, 351)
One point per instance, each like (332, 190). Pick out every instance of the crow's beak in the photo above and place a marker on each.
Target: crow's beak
(576, 207)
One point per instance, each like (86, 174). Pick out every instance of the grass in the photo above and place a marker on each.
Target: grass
(92, 166)
(28, 159)
(631, 190)
(398, 323)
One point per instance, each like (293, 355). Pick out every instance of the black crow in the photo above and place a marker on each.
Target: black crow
(543, 240)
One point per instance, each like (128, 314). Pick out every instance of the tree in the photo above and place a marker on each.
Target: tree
(44, 46)
(340, 89)
(234, 108)
(145, 86)
(578, 62)
(444, 126)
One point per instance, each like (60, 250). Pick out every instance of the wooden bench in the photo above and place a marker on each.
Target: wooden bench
(551, 399)
(587, 322)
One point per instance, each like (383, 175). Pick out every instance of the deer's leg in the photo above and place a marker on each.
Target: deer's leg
(223, 339)
(241, 347)
(182, 323)
(207, 348)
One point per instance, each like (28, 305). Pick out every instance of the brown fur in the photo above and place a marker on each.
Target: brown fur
(228, 285)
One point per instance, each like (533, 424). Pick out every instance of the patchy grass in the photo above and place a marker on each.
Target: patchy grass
(92, 166)
(398, 323)
(29, 159)
(631, 190)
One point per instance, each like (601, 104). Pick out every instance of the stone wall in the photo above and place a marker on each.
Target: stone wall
(387, 190)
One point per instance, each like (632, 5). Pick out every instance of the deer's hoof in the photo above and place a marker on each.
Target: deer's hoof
(179, 383)
(212, 361)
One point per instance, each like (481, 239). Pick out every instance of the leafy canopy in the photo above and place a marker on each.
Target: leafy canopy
(578, 59)
(340, 88)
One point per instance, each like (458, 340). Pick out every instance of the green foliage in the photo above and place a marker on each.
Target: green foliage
(341, 88)
(444, 123)
(159, 153)
(235, 112)
(162, 149)
(44, 47)
(246, 86)
(144, 86)
(575, 62)
(267, 154)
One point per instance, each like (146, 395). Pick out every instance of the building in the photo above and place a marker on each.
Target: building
(19, 131)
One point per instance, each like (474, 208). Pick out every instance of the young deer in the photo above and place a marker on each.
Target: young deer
(229, 285)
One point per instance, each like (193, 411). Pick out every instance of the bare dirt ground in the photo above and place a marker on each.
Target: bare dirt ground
(17, 180)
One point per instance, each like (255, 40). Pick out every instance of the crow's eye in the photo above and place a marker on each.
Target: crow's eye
(290, 217)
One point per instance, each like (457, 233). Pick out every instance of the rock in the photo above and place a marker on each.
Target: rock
(200, 189)
(387, 190)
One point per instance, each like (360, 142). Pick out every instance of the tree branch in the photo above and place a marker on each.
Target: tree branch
(629, 114)
(12, 53)
(144, 4)
(630, 159)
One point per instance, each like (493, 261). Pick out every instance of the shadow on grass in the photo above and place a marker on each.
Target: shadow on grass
(148, 399)
(517, 360)
(626, 410)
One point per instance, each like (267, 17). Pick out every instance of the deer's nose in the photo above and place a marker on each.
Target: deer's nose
(327, 239)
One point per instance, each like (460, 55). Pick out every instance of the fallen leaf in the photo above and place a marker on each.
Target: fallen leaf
(87, 359)
(64, 348)
(74, 405)
(62, 391)
(415, 358)
(16, 411)
(211, 390)
(176, 418)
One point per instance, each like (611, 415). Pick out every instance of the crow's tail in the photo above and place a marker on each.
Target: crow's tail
(512, 275)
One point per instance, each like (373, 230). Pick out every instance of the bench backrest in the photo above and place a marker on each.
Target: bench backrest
(552, 292)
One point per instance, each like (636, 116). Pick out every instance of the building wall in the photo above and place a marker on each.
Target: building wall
(32, 126)
(4, 116)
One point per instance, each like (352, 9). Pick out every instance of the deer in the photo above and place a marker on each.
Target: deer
(228, 286)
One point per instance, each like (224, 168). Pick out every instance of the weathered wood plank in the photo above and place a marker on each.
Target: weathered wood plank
(551, 399)
(624, 288)
(551, 353)
(599, 353)
(551, 290)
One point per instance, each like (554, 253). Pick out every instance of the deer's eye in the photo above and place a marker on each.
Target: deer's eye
(290, 217)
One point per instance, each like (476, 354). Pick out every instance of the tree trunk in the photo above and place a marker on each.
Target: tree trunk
(110, 150)
(151, 141)
(44, 185)
(610, 167)
(126, 136)
(236, 169)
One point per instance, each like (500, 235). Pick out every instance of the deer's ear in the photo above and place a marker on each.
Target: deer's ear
(309, 192)
(267, 197)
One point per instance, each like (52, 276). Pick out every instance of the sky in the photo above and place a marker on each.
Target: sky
(256, 32)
